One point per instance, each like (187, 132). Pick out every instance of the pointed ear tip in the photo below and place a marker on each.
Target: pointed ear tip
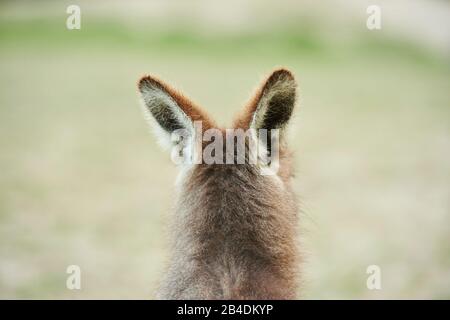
(142, 82)
(282, 73)
(147, 81)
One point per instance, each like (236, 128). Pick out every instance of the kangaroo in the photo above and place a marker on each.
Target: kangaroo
(234, 229)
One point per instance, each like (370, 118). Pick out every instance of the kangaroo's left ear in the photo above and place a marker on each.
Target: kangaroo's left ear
(273, 103)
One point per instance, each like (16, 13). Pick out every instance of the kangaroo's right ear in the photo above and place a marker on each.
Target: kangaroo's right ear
(169, 111)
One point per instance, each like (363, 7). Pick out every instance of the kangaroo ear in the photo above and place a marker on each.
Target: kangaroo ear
(171, 111)
(272, 105)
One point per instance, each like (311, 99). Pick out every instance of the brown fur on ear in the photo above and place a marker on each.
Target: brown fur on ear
(193, 111)
(244, 119)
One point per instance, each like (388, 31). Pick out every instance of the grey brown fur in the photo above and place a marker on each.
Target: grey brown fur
(234, 230)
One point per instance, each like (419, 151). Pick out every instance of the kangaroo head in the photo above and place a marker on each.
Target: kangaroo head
(186, 128)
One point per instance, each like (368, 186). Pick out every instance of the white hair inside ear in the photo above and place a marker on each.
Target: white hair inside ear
(164, 114)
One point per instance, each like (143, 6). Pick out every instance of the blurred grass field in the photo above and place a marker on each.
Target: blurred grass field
(84, 182)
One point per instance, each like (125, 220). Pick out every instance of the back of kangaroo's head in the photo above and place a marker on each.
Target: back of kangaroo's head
(253, 149)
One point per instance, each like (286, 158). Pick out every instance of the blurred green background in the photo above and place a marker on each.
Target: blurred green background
(83, 181)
